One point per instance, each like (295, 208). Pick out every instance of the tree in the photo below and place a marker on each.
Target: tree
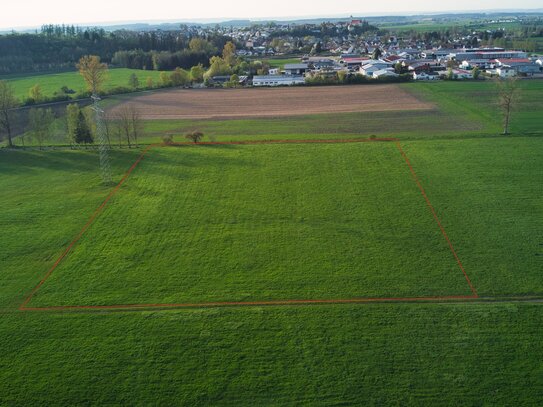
(507, 99)
(83, 134)
(149, 82)
(133, 81)
(130, 123)
(7, 103)
(202, 45)
(377, 53)
(217, 67)
(40, 122)
(35, 93)
(476, 72)
(197, 73)
(318, 48)
(165, 79)
(72, 119)
(229, 53)
(194, 136)
(93, 72)
(179, 77)
(342, 76)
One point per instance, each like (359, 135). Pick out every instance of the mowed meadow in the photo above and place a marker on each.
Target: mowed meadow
(200, 223)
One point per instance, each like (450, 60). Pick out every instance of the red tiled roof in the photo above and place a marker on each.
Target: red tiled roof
(514, 60)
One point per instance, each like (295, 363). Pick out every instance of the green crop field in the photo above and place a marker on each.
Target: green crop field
(51, 83)
(213, 223)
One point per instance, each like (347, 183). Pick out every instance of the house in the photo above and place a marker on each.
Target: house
(388, 72)
(424, 65)
(505, 72)
(457, 74)
(296, 69)
(424, 76)
(372, 66)
(523, 66)
(276, 80)
(273, 71)
(353, 63)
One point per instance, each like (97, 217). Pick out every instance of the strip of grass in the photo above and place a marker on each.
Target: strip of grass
(408, 355)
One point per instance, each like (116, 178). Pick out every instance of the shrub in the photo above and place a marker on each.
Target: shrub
(167, 139)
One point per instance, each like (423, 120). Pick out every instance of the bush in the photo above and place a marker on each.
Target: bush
(167, 139)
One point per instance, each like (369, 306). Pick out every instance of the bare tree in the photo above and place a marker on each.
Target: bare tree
(130, 123)
(508, 96)
(7, 103)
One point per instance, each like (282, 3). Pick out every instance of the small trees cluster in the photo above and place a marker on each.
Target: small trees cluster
(40, 125)
(78, 126)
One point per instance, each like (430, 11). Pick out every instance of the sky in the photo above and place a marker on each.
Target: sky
(34, 13)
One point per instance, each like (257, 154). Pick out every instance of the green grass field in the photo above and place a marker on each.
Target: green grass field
(245, 223)
(276, 221)
(51, 83)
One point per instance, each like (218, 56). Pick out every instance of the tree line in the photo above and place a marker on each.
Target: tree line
(60, 47)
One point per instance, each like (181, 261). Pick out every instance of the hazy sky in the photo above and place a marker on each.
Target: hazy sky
(25, 13)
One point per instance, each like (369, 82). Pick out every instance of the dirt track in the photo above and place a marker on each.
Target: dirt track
(238, 103)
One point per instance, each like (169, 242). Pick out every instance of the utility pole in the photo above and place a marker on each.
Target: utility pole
(103, 144)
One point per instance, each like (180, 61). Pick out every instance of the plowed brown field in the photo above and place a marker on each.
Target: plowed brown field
(238, 103)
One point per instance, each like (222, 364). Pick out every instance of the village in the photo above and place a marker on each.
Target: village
(354, 51)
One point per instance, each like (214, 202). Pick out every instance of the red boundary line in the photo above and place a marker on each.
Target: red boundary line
(434, 214)
(23, 306)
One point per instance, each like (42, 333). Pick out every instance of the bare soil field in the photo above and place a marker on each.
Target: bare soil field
(238, 103)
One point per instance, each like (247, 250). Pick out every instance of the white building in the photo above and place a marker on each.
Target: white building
(278, 80)
(506, 72)
(384, 72)
(423, 76)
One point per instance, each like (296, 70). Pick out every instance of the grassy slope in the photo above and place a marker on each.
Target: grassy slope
(51, 83)
(265, 222)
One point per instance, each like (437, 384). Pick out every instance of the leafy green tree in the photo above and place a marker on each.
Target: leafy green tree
(133, 81)
(149, 82)
(179, 77)
(93, 72)
(165, 79)
(7, 103)
(377, 53)
(35, 93)
(40, 123)
(342, 76)
(476, 72)
(229, 53)
(197, 73)
(202, 45)
(72, 119)
(217, 67)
